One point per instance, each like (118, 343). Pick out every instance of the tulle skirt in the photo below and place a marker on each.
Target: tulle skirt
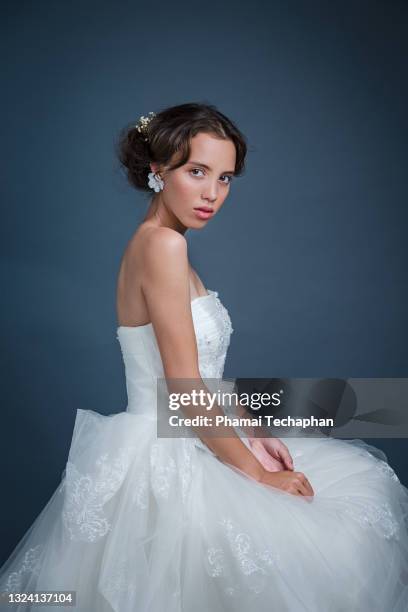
(146, 524)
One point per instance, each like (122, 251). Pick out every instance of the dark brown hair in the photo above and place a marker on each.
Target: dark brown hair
(170, 131)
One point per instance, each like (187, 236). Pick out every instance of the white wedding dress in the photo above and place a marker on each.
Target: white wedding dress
(147, 524)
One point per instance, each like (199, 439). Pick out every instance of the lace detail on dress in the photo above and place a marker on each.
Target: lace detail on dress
(377, 516)
(385, 469)
(141, 491)
(85, 495)
(31, 565)
(118, 586)
(226, 324)
(212, 346)
(255, 564)
(163, 469)
(186, 468)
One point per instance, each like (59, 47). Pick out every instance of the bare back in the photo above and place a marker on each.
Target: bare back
(131, 305)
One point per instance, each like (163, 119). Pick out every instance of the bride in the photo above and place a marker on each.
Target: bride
(143, 523)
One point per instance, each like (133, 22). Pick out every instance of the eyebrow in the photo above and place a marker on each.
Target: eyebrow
(197, 163)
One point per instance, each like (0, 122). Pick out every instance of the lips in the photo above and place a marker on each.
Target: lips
(203, 213)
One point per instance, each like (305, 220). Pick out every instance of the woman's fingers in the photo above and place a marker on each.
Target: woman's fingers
(303, 485)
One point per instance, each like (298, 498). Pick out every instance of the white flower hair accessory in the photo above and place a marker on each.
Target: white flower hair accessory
(143, 122)
(155, 182)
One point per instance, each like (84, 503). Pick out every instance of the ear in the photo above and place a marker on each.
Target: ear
(154, 167)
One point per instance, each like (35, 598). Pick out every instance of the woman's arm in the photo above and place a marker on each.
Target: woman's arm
(166, 289)
(270, 451)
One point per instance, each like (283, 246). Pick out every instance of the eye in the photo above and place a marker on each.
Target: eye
(199, 170)
(228, 176)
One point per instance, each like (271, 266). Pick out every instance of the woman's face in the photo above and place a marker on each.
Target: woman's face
(203, 182)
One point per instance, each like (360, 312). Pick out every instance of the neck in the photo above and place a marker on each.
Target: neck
(159, 214)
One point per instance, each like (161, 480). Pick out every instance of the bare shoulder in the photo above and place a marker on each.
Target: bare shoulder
(165, 240)
(151, 243)
(163, 245)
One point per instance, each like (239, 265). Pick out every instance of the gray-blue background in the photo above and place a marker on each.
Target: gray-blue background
(308, 254)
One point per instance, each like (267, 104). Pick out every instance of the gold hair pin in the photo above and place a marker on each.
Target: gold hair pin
(143, 122)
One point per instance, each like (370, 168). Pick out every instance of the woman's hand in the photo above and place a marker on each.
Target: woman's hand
(294, 483)
(272, 453)
(274, 456)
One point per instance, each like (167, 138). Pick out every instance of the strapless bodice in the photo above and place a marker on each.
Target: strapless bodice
(142, 359)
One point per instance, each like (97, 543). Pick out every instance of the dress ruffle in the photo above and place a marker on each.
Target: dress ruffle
(147, 524)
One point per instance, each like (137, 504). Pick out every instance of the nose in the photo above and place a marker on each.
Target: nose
(209, 198)
(211, 193)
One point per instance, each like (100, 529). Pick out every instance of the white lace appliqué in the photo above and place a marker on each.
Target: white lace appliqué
(163, 469)
(119, 585)
(186, 467)
(376, 516)
(31, 565)
(140, 495)
(385, 469)
(255, 564)
(212, 346)
(163, 473)
(86, 494)
(226, 326)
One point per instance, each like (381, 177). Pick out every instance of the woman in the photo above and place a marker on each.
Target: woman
(148, 523)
